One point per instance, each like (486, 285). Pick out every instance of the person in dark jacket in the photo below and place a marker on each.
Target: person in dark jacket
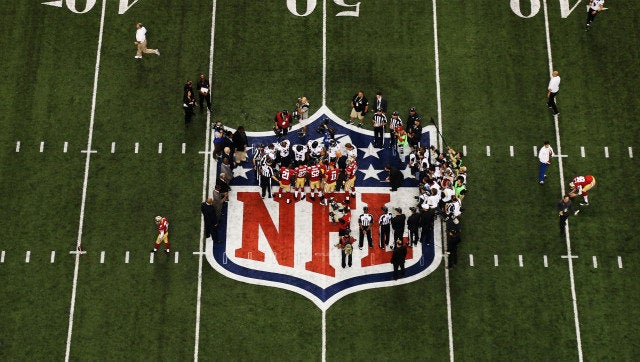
(413, 224)
(453, 239)
(397, 224)
(240, 142)
(397, 259)
(210, 219)
(396, 178)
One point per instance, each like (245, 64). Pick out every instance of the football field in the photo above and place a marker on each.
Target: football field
(93, 146)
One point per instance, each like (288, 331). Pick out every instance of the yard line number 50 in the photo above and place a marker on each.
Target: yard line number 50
(292, 5)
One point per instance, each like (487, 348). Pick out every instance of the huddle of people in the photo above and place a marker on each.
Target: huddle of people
(327, 167)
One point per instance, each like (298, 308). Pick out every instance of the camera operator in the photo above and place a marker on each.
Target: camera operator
(282, 123)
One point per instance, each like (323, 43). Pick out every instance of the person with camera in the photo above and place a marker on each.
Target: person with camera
(302, 114)
(359, 108)
(282, 123)
(345, 244)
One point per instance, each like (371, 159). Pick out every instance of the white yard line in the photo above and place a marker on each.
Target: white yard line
(630, 152)
(511, 151)
(488, 151)
(471, 260)
(495, 260)
(206, 171)
(18, 147)
(562, 192)
(41, 146)
(85, 183)
(447, 281)
(324, 335)
(27, 256)
(545, 261)
(126, 257)
(53, 256)
(324, 54)
(102, 257)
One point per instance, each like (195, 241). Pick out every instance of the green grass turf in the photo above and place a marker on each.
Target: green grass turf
(494, 71)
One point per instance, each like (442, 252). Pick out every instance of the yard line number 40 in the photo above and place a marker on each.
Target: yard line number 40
(565, 7)
(292, 5)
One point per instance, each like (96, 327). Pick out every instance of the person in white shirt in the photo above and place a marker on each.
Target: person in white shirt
(593, 8)
(544, 155)
(141, 42)
(552, 91)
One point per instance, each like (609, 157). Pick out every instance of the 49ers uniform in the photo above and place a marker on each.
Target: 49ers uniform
(582, 184)
(163, 233)
(301, 178)
(314, 180)
(330, 178)
(286, 175)
(350, 173)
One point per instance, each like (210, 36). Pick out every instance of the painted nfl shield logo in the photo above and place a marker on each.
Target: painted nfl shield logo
(293, 245)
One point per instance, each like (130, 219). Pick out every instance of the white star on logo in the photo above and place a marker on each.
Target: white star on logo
(370, 173)
(407, 173)
(370, 151)
(241, 172)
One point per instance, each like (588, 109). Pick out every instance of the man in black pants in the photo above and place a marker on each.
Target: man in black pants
(204, 92)
(266, 175)
(379, 121)
(552, 91)
(413, 224)
(397, 259)
(397, 224)
(210, 219)
(364, 224)
(453, 239)
(565, 208)
(594, 7)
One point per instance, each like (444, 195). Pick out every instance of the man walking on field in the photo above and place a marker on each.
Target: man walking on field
(141, 42)
(552, 91)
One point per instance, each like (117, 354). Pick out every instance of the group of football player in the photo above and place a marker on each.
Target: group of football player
(326, 167)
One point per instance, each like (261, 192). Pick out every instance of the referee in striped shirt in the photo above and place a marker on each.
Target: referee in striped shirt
(379, 121)
(364, 222)
(394, 122)
(266, 175)
(385, 227)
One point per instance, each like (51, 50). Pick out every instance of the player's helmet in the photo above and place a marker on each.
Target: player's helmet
(571, 184)
(285, 112)
(158, 219)
(385, 209)
(365, 209)
(332, 143)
